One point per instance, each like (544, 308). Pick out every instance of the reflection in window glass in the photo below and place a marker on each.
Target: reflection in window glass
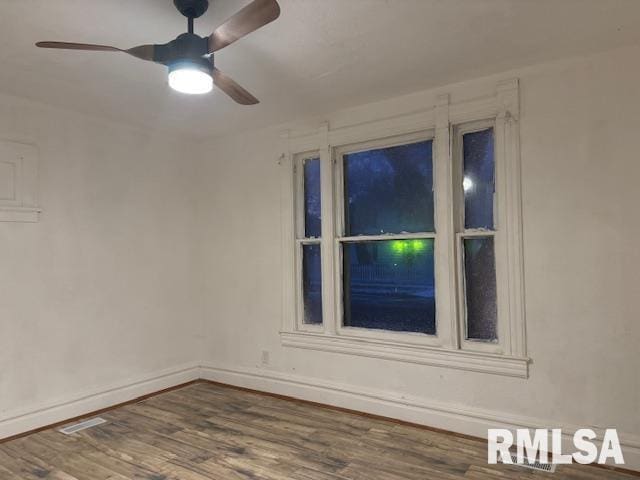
(478, 182)
(480, 288)
(311, 284)
(312, 198)
(389, 190)
(390, 285)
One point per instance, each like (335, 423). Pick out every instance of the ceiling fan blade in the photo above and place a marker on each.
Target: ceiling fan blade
(255, 15)
(231, 88)
(78, 46)
(144, 52)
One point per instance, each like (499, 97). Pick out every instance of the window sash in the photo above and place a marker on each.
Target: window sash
(339, 177)
(301, 240)
(499, 346)
(299, 191)
(300, 323)
(458, 161)
(466, 342)
(440, 213)
(415, 338)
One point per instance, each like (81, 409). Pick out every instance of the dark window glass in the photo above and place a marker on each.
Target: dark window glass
(311, 284)
(312, 198)
(390, 285)
(480, 288)
(389, 190)
(478, 182)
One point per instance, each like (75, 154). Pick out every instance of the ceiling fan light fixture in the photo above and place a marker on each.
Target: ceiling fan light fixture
(190, 57)
(190, 78)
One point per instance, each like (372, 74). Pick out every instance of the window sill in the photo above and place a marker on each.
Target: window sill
(435, 356)
(19, 214)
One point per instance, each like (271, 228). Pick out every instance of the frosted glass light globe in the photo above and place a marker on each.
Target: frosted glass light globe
(190, 80)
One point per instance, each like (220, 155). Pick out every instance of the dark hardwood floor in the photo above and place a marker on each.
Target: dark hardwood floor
(206, 431)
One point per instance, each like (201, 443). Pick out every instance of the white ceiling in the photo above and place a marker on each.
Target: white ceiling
(319, 56)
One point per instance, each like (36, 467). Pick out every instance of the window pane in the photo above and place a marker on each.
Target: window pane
(311, 284)
(478, 182)
(389, 190)
(389, 285)
(480, 288)
(312, 198)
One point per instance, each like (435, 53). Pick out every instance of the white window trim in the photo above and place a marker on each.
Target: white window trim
(448, 348)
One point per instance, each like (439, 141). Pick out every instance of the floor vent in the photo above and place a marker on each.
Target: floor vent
(93, 422)
(542, 467)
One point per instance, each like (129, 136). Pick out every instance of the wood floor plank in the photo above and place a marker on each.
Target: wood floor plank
(206, 431)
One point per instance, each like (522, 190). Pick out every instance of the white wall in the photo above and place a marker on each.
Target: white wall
(580, 168)
(138, 253)
(102, 292)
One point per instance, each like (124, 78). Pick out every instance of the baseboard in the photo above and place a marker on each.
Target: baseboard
(77, 404)
(454, 418)
(450, 417)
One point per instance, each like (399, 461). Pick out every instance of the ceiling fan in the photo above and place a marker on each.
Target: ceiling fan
(189, 57)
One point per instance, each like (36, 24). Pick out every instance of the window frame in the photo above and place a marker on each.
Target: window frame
(443, 123)
(340, 238)
(301, 239)
(462, 233)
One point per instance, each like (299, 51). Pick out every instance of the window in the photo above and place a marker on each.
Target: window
(311, 189)
(480, 288)
(408, 246)
(389, 190)
(387, 249)
(309, 238)
(389, 285)
(476, 231)
(312, 283)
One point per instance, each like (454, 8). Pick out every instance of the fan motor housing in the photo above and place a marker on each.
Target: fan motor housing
(192, 8)
(187, 46)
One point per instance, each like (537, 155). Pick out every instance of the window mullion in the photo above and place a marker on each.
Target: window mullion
(298, 168)
(445, 263)
(501, 254)
(290, 291)
(328, 233)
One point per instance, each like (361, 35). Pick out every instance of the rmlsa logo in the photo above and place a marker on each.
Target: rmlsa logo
(530, 450)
